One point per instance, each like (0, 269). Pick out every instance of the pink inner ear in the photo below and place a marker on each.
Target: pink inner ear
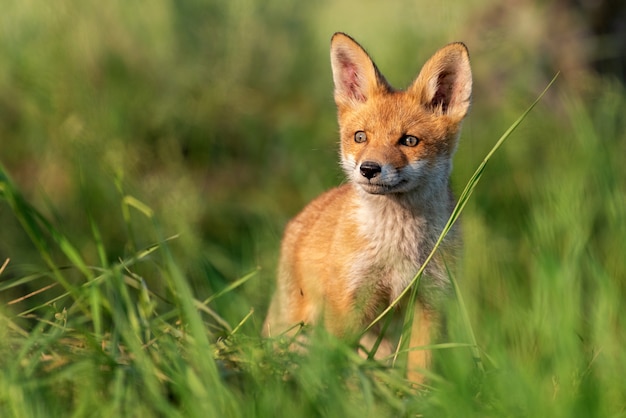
(444, 93)
(350, 80)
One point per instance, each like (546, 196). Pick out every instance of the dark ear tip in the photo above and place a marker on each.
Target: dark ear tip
(344, 38)
(340, 35)
(460, 45)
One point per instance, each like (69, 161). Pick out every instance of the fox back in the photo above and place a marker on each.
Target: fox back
(354, 249)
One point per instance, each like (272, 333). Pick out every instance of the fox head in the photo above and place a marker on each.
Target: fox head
(393, 141)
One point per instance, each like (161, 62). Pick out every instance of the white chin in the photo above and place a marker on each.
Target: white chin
(378, 189)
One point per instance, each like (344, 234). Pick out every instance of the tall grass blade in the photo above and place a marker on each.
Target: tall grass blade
(232, 286)
(463, 199)
(467, 324)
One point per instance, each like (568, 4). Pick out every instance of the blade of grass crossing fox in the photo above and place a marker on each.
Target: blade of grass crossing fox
(400, 357)
(379, 338)
(469, 188)
(463, 199)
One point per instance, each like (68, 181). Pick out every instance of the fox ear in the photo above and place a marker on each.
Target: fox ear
(354, 73)
(445, 83)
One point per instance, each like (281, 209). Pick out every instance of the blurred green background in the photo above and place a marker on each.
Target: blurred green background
(219, 116)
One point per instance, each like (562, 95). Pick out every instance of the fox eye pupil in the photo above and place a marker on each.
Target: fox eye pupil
(360, 137)
(409, 140)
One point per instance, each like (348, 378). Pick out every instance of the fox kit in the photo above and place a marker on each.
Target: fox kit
(355, 248)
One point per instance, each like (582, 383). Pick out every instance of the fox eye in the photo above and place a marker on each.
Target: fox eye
(360, 137)
(409, 140)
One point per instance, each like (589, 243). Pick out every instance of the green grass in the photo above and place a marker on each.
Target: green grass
(152, 152)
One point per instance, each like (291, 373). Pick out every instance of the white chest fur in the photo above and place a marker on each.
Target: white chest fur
(398, 236)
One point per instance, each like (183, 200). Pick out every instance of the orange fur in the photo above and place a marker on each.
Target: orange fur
(354, 249)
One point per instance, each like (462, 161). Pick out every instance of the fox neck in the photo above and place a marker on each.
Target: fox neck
(410, 222)
(401, 230)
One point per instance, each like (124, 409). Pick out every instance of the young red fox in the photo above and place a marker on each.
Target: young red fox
(354, 249)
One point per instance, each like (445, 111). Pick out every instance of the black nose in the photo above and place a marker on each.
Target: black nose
(370, 169)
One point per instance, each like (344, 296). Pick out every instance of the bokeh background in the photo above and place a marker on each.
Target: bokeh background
(218, 115)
